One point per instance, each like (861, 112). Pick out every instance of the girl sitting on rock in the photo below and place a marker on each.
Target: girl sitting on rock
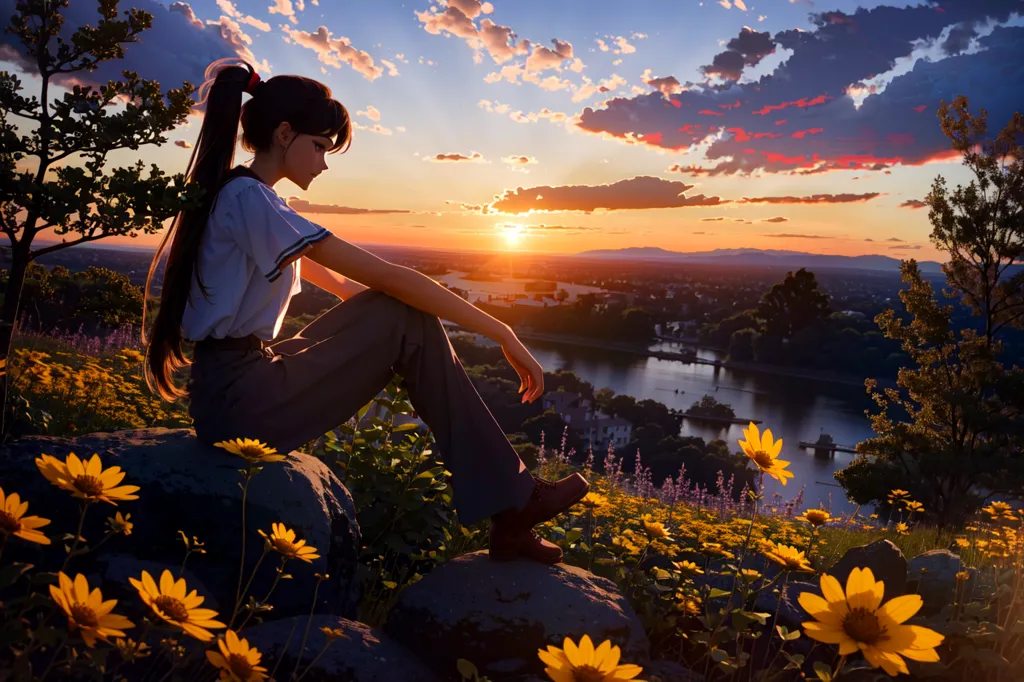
(232, 269)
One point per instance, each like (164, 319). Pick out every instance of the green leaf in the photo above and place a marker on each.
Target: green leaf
(719, 655)
(990, 658)
(573, 535)
(823, 671)
(715, 592)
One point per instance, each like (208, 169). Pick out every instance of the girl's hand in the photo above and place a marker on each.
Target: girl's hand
(531, 374)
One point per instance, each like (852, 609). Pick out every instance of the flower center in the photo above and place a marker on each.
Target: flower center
(762, 459)
(240, 666)
(863, 626)
(88, 485)
(283, 546)
(84, 616)
(174, 608)
(816, 518)
(8, 524)
(587, 673)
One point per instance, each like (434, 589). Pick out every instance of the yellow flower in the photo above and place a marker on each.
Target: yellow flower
(963, 543)
(688, 567)
(786, 556)
(594, 500)
(715, 549)
(858, 620)
(170, 602)
(749, 575)
(763, 451)
(120, 524)
(86, 611)
(252, 450)
(130, 650)
(87, 480)
(654, 529)
(283, 540)
(913, 506)
(14, 522)
(584, 663)
(896, 495)
(815, 517)
(961, 576)
(333, 633)
(237, 660)
(902, 529)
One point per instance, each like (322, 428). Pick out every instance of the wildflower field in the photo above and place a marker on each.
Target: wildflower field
(708, 572)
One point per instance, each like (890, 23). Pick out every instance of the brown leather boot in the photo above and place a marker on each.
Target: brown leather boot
(509, 543)
(549, 499)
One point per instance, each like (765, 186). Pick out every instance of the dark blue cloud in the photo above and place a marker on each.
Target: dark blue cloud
(178, 47)
(798, 118)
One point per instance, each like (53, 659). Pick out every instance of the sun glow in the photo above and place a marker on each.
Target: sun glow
(513, 234)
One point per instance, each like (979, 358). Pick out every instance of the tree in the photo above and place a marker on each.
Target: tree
(793, 304)
(960, 442)
(84, 199)
(741, 345)
(95, 297)
(981, 226)
(963, 440)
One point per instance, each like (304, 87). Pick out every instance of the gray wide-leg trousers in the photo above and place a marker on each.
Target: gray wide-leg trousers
(300, 388)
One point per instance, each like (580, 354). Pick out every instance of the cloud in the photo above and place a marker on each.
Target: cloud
(474, 157)
(823, 84)
(303, 206)
(746, 49)
(335, 51)
(797, 236)
(906, 247)
(894, 239)
(228, 8)
(285, 9)
(518, 160)
(711, 220)
(375, 128)
(813, 199)
(184, 144)
(177, 48)
(642, 192)
(777, 219)
(913, 203)
(589, 89)
(370, 112)
(666, 85)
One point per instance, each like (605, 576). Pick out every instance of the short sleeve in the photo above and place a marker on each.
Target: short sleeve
(271, 232)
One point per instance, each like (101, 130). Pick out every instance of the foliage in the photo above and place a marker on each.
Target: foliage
(59, 298)
(951, 433)
(793, 305)
(84, 198)
(709, 406)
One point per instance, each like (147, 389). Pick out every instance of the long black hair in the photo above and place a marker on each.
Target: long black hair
(306, 105)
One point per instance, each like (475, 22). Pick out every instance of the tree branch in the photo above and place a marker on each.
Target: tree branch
(57, 247)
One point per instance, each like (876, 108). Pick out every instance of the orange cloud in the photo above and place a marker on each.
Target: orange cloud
(813, 199)
(642, 192)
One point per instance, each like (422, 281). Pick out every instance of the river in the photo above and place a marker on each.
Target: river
(794, 409)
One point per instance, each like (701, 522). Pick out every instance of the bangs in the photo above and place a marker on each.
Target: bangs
(329, 118)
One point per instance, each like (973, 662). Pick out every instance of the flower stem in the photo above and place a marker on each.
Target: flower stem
(78, 535)
(241, 560)
(245, 589)
(305, 634)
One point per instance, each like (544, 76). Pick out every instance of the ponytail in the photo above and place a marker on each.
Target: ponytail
(212, 157)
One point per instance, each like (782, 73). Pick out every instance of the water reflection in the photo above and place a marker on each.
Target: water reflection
(794, 408)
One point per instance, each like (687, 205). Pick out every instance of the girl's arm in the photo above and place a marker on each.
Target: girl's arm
(329, 280)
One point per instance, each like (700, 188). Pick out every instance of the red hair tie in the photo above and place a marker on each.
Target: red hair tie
(253, 80)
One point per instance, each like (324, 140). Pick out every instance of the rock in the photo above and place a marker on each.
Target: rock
(670, 671)
(885, 560)
(497, 615)
(190, 487)
(933, 576)
(365, 656)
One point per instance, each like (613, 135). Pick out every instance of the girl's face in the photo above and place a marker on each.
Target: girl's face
(304, 159)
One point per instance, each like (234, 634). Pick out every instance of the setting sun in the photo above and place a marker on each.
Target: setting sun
(513, 234)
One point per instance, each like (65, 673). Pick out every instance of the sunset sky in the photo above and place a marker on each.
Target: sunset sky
(566, 125)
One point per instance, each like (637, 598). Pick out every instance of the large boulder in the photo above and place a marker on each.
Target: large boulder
(362, 655)
(885, 560)
(932, 574)
(498, 614)
(194, 488)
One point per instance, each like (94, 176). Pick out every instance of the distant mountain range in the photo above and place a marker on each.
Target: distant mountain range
(789, 259)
